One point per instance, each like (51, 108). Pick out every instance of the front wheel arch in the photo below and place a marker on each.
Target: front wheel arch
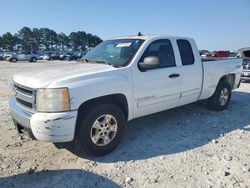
(118, 99)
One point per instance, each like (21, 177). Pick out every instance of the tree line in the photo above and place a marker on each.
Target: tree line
(44, 39)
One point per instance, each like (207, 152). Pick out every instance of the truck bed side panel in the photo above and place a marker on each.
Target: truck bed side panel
(215, 70)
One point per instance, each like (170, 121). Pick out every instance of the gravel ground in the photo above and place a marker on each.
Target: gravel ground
(189, 146)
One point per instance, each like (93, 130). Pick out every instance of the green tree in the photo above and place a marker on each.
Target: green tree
(7, 41)
(1, 42)
(79, 40)
(63, 41)
(49, 39)
(74, 40)
(37, 38)
(93, 40)
(82, 40)
(27, 39)
(17, 42)
(53, 40)
(44, 38)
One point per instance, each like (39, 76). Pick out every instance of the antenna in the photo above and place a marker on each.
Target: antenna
(140, 34)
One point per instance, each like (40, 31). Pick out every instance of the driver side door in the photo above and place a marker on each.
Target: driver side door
(157, 89)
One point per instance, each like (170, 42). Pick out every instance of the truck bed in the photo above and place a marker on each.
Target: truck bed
(214, 69)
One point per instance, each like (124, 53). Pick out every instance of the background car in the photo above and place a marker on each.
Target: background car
(245, 55)
(30, 56)
(66, 56)
(75, 56)
(7, 55)
(221, 53)
(51, 56)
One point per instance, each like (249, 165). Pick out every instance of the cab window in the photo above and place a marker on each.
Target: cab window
(163, 50)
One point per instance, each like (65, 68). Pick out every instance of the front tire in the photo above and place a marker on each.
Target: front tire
(99, 130)
(221, 98)
(13, 60)
(34, 59)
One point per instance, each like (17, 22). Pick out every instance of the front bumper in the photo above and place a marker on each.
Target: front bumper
(20, 118)
(51, 127)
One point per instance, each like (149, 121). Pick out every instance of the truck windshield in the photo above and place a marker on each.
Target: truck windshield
(114, 52)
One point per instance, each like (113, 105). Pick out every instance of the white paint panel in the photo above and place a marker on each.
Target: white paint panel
(157, 100)
(54, 127)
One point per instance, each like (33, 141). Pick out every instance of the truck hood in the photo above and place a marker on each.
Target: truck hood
(42, 76)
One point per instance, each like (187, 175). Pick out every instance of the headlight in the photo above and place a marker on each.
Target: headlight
(53, 100)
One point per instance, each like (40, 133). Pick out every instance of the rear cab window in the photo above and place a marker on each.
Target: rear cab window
(186, 52)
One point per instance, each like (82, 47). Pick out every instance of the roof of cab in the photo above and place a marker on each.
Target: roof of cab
(145, 37)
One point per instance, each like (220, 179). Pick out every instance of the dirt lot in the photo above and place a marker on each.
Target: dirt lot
(189, 146)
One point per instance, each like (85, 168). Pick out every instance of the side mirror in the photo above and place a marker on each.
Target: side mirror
(151, 62)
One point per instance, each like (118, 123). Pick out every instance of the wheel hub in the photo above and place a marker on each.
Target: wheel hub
(223, 96)
(103, 130)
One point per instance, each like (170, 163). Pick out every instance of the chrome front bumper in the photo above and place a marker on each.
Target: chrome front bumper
(50, 127)
(19, 116)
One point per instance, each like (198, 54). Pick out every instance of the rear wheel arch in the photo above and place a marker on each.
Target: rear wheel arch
(229, 78)
(221, 97)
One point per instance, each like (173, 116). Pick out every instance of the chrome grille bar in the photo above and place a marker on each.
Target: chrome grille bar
(25, 96)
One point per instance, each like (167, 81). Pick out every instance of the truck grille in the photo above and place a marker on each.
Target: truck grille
(25, 96)
(246, 65)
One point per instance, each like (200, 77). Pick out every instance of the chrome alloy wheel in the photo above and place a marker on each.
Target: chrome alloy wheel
(223, 96)
(103, 130)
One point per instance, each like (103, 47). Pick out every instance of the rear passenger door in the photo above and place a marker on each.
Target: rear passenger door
(191, 71)
(157, 89)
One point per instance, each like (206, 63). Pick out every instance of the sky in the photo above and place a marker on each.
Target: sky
(214, 24)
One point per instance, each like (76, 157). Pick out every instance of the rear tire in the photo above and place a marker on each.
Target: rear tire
(221, 97)
(33, 59)
(100, 129)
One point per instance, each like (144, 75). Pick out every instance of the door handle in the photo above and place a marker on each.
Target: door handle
(173, 75)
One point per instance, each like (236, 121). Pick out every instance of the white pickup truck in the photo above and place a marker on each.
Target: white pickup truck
(121, 79)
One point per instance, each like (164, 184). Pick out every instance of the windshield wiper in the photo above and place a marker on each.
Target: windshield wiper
(96, 61)
(99, 61)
